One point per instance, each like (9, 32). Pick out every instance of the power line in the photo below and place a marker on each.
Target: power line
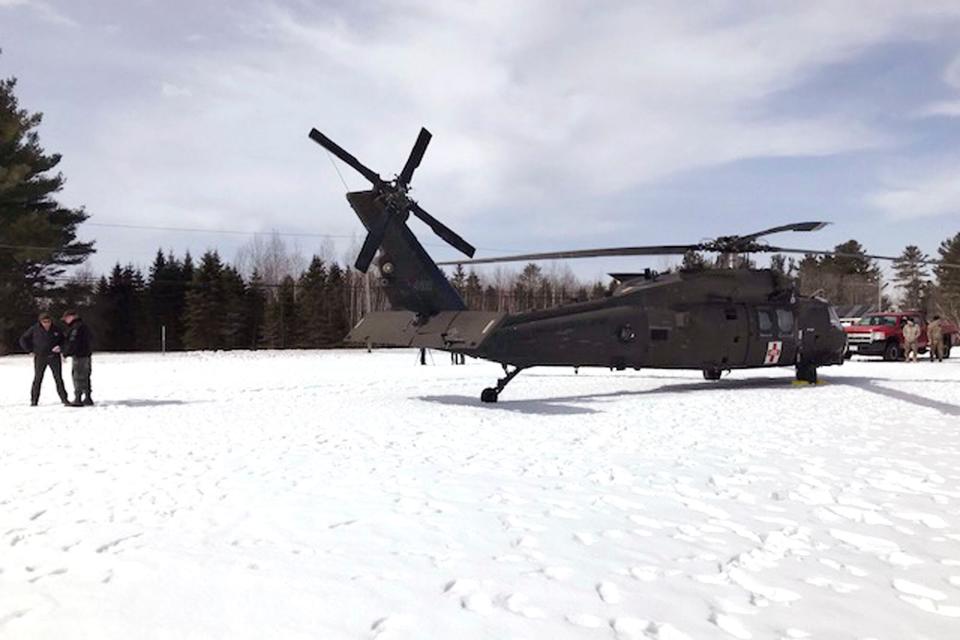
(215, 231)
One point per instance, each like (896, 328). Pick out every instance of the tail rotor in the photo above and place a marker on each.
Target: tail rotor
(393, 195)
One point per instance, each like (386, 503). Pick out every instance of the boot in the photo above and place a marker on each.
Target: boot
(76, 401)
(88, 401)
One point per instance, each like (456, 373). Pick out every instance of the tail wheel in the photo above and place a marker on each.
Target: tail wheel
(711, 374)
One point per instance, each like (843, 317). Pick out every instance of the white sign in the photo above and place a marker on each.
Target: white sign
(774, 351)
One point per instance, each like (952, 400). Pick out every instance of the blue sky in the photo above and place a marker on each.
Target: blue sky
(556, 125)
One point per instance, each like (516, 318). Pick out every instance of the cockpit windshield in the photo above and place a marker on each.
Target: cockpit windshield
(877, 321)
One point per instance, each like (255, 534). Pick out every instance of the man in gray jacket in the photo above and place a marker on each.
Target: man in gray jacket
(44, 340)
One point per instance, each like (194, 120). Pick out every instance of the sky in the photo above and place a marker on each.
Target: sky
(557, 125)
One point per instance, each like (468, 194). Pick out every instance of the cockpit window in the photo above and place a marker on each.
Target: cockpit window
(764, 322)
(785, 321)
(834, 317)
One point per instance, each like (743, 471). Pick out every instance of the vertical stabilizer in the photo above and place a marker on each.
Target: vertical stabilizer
(411, 279)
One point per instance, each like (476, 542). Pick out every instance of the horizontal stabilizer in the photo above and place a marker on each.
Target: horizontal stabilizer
(451, 330)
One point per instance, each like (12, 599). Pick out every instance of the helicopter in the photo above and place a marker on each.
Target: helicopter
(712, 320)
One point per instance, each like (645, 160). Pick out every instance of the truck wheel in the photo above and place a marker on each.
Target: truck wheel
(892, 353)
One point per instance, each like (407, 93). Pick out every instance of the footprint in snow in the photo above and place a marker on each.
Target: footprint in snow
(585, 538)
(731, 625)
(517, 603)
(557, 573)
(609, 593)
(477, 603)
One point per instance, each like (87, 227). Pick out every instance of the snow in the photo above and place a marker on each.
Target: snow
(353, 495)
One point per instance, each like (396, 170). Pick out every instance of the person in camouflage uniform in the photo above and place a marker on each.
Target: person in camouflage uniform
(911, 337)
(935, 339)
(78, 346)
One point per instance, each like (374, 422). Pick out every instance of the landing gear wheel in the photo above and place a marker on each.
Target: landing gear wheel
(489, 395)
(892, 352)
(807, 373)
(711, 374)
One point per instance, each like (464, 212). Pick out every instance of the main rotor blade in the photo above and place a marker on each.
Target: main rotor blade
(342, 153)
(443, 231)
(795, 226)
(371, 244)
(841, 254)
(660, 250)
(416, 155)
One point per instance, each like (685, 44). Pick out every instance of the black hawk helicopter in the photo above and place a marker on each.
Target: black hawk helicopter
(709, 320)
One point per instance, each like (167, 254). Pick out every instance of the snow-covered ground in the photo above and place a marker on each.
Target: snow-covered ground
(354, 495)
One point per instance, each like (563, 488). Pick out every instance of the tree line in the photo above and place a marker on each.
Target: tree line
(272, 298)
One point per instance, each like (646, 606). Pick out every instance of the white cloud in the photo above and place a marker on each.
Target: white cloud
(946, 108)
(170, 90)
(44, 9)
(930, 194)
(532, 106)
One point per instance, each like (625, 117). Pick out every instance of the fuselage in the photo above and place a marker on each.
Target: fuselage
(710, 320)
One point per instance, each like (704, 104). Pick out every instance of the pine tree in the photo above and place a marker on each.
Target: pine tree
(38, 236)
(693, 261)
(948, 278)
(255, 304)
(121, 311)
(459, 280)
(314, 318)
(473, 292)
(337, 310)
(233, 328)
(911, 276)
(280, 326)
(204, 320)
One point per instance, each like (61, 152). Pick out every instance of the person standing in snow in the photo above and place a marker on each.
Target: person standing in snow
(911, 334)
(935, 339)
(44, 340)
(78, 347)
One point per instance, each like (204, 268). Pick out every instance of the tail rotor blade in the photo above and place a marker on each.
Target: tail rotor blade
(371, 244)
(344, 155)
(442, 230)
(416, 155)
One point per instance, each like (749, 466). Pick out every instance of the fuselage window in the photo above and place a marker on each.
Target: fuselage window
(785, 321)
(764, 322)
(659, 334)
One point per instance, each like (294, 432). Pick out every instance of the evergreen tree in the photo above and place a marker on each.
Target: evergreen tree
(693, 261)
(234, 314)
(473, 292)
(948, 278)
(459, 280)
(121, 311)
(38, 236)
(314, 301)
(911, 276)
(280, 326)
(256, 303)
(166, 293)
(337, 309)
(206, 303)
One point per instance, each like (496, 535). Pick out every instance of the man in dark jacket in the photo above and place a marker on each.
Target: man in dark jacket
(78, 347)
(44, 340)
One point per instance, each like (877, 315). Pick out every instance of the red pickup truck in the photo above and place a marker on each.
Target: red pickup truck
(881, 334)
